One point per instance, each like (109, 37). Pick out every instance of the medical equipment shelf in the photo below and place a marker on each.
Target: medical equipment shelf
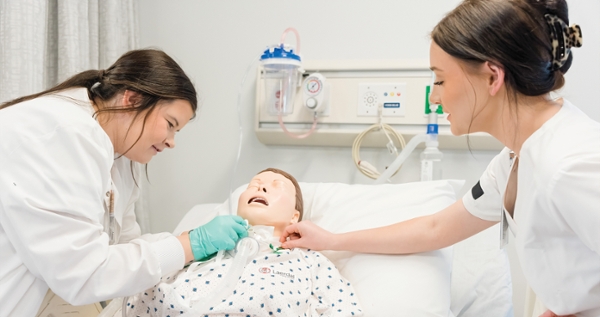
(342, 125)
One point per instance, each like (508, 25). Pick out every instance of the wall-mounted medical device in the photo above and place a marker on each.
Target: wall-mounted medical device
(281, 74)
(350, 93)
(281, 78)
(315, 94)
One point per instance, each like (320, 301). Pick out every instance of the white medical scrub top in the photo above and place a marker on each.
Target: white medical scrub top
(57, 169)
(556, 222)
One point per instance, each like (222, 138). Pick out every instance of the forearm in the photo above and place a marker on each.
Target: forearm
(422, 234)
(184, 239)
(411, 236)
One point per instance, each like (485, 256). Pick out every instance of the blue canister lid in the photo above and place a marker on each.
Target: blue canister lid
(279, 52)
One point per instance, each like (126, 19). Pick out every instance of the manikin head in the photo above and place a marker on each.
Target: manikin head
(273, 198)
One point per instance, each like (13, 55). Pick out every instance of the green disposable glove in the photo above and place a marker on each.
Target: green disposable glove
(221, 233)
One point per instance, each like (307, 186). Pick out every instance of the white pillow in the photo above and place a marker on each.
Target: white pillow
(387, 285)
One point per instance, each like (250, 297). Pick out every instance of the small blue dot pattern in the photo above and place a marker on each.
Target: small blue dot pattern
(297, 282)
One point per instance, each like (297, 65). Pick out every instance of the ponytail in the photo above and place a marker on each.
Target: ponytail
(151, 73)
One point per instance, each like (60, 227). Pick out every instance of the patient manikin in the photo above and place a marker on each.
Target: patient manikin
(276, 282)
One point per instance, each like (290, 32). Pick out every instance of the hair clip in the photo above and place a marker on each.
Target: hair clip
(575, 36)
(562, 38)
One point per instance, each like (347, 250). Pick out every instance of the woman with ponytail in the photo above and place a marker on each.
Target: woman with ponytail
(70, 161)
(496, 64)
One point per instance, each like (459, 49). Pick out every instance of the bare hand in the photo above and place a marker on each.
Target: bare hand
(548, 313)
(306, 234)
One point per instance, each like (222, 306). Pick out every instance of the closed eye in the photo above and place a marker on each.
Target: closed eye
(278, 183)
(171, 126)
(438, 83)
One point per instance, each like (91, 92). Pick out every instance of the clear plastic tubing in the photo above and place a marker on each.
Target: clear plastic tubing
(246, 248)
(241, 138)
(410, 147)
(280, 116)
(288, 30)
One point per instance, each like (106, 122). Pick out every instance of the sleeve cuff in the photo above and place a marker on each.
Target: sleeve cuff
(487, 213)
(170, 254)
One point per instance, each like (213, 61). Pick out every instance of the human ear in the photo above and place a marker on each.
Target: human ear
(295, 217)
(130, 98)
(495, 74)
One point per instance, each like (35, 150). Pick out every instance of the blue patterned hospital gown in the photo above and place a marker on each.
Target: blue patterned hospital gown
(295, 282)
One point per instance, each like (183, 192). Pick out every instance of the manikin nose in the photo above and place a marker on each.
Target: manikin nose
(262, 187)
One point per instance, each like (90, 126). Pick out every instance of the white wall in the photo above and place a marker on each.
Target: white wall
(215, 41)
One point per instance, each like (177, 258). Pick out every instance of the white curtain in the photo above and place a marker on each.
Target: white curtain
(43, 42)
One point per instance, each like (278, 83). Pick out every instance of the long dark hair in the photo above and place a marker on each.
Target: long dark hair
(513, 33)
(151, 73)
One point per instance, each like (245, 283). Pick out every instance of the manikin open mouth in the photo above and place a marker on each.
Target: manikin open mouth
(259, 200)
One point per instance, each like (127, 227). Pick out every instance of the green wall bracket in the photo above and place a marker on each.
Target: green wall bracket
(427, 111)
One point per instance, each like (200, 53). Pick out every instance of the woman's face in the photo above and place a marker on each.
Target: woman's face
(463, 94)
(269, 200)
(167, 118)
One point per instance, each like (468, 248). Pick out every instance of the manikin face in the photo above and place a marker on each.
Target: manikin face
(269, 200)
(463, 94)
(159, 131)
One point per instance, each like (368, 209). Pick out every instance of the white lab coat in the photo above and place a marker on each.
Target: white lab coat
(57, 168)
(557, 210)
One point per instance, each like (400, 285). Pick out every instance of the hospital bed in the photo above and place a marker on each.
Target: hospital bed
(470, 279)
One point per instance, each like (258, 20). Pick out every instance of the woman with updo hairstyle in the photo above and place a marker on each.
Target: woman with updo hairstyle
(497, 64)
(70, 163)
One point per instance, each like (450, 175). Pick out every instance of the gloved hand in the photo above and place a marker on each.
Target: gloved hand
(221, 233)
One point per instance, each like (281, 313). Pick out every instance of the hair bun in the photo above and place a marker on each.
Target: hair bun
(555, 7)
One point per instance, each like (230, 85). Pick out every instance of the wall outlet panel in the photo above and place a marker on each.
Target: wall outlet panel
(391, 97)
(344, 101)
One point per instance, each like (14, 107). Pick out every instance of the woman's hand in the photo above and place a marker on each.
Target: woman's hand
(548, 313)
(221, 233)
(306, 234)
